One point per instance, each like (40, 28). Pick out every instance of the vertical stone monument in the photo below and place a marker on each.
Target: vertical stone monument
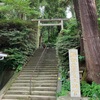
(74, 74)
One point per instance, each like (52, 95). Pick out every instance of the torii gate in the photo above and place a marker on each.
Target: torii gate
(58, 22)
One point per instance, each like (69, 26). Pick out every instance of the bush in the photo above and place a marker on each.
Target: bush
(15, 24)
(23, 40)
(67, 39)
(18, 45)
(18, 40)
(90, 90)
(65, 88)
(15, 58)
(87, 90)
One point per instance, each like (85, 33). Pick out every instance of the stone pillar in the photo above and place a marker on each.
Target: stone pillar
(38, 35)
(62, 27)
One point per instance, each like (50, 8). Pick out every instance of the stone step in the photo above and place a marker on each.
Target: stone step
(16, 92)
(49, 68)
(45, 93)
(43, 62)
(11, 99)
(22, 92)
(54, 75)
(32, 71)
(35, 84)
(44, 79)
(39, 68)
(39, 65)
(40, 73)
(42, 65)
(33, 88)
(37, 78)
(48, 63)
(36, 70)
(29, 97)
(36, 81)
(45, 65)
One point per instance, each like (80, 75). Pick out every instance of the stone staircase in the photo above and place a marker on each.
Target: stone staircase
(43, 84)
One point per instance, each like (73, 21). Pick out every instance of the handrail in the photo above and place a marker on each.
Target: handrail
(35, 69)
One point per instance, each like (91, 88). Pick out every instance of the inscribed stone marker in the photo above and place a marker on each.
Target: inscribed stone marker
(74, 73)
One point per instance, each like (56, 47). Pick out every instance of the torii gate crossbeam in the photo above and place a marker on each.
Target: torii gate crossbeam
(58, 22)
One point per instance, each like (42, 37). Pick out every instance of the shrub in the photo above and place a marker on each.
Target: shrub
(67, 39)
(87, 90)
(15, 58)
(15, 24)
(65, 88)
(18, 40)
(90, 90)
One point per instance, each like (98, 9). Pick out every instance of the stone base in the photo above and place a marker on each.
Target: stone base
(70, 98)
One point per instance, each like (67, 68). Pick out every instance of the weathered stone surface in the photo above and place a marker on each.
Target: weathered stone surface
(69, 98)
(37, 80)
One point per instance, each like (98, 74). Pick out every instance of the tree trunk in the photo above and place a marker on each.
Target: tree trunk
(91, 39)
(76, 9)
(77, 13)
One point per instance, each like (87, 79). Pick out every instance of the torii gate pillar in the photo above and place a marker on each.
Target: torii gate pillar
(62, 27)
(40, 23)
(38, 35)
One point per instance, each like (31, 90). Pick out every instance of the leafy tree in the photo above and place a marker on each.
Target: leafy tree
(98, 7)
(56, 11)
(17, 9)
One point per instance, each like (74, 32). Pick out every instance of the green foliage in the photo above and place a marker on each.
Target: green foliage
(81, 58)
(67, 39)
(18, 41)
(57, 11)
(90, 90)
(99, 23)
(19, 68)
(15, 59)
(15, 24)
(87, 90)
(49, 35)
(65, 88)
(98, 7)
(13, 39)
(17, 9)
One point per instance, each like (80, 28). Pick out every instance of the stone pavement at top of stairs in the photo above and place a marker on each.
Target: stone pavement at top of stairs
(69, 98)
